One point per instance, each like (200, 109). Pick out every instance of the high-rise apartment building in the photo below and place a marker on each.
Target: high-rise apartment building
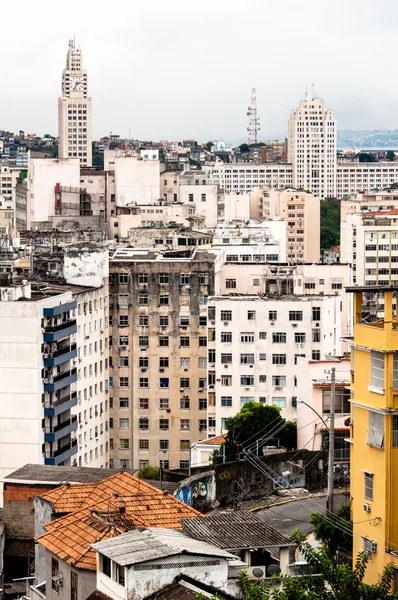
(74, 110)
(374, 433)
(312, 148)
(158, 383)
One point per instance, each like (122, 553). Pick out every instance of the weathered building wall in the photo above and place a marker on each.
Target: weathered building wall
(18, 513)
(86, 266)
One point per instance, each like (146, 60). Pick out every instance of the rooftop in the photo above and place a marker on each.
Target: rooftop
(140, 546)
(235, 531)
(103, 510)
(213, 441)
(135, 254)
(47, 474)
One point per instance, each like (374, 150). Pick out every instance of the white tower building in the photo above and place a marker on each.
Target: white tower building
(74, 110)
(312, 148)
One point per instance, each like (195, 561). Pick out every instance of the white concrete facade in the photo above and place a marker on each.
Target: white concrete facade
(137, 175)
(254, 343)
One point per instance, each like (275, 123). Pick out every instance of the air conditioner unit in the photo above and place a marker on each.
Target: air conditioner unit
(272, 323)
(373, 546)
(317, 325)
(278, 387)
(226, 322)
(58, 579)
(161, 370)
(143, 347)
(212, 366)
(255, 572)
(182, 389)
(294, 324)
(367, 507)
(200, 390)
(168, 410)
(251, 366)
(212, 322)
(225, 366)
(143, 370)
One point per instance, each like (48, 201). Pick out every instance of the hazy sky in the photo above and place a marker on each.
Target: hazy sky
(184, 69)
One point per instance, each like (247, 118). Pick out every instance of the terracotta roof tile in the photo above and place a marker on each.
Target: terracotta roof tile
(214, 441)
(99, 518)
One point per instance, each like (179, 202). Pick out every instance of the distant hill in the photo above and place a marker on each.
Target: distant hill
(367, 138)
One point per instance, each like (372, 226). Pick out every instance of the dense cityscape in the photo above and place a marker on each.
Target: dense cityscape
(139, 280)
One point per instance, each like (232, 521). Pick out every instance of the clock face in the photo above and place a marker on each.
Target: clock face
(76, 84)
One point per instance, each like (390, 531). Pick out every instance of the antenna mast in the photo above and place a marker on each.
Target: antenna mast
(254, 120)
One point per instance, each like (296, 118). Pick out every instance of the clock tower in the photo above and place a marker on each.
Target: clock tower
(74, 110)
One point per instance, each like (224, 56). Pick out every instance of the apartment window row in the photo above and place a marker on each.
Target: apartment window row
(164, 445)
(294, 315)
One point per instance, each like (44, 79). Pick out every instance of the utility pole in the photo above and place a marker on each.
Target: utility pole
(329, 503)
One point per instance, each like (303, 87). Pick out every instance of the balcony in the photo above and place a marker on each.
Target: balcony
(60, 406)
(60, 309)
(58, 332)
(60, 356)
(52, 384)
(53, 434)
(61, 454)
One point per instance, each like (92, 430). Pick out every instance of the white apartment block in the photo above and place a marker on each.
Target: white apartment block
(313, 402)
(358, 178)
(75, 110)
(137, 176)
(369, 241)
(8, 180)
(254, 344)
(312, 147)
(370, 202)
(243, 177)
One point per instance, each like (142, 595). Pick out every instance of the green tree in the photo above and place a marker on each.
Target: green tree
(150, 473)
(244, 148)
(255, 421)
(209, 145)
(390, 155)
(330, 581)
(335, 532)
(330, 224)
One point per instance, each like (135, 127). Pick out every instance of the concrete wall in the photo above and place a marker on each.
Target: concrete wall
(43, 175)
(198, 491)
(18, 514)
(86, 580)
(43, 513)
(86, 266)
(137, 181)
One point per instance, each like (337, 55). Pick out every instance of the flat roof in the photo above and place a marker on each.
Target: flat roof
(372, 288)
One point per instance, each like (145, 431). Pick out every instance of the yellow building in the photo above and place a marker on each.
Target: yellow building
(374, 433)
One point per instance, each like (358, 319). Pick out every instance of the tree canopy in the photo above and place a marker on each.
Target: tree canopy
(244, 148)
(150, 473)
(366, 157)
(255, 422)
(390, 155)
(330, 224)
(335, 532)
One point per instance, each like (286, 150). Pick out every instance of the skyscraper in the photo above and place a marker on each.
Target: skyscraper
(312, 148)
(74, 110)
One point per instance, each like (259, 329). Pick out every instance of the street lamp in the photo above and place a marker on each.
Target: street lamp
(313, 410)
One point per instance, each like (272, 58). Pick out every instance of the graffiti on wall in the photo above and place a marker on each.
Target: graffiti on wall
(197, 492)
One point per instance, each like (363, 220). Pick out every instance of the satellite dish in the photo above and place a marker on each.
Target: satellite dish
(257, 572)
(273, 570)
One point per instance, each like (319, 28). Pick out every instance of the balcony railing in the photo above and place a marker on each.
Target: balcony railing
(60, 405)
(53, 434)
(64, 375)
(61, 351)
(62, 425)
(60, 327)
(63, 449)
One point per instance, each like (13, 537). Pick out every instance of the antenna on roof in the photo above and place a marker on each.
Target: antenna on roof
(306, 93)
(313, 91)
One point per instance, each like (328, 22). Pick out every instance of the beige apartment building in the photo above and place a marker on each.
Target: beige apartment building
(158, 366)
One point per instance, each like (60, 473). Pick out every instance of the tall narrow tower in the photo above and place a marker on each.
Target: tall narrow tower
(254, 120)
(74, 110)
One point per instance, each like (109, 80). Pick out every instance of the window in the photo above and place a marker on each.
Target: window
(184, 279)
(163, 321)
(203, 278)
(226, 315)
(226, 380)
(296, 356)
(73, 586)
(124, 402)
(143, 321)
(226, 400)
(203, 197)
(316, 355)
(164, 341)
(163, 299)
(262, 356)
(123, 423)
(184, 320)
(143, 341)
(262, 335)
(144, 403)
(203, 403)
(144, 463)
(295, 315)
(368, 491)
(163, 464)
(251, 315)
(337, 286)
(376, 430)
(123, 341)
(230, 284)
(143, 278)
(106, 565)
(299, 338)
(279, 380)
(395, 371)
(202, 321)
(247, 338)
(203, 341)
(163, 362)
(185, 424)
(246, 359)
(316, 335)
(247, 380)
(123, 278)
(212, 422)
(54, 575)
(123, 321)
(163, 278)
(202, 362)
(256, 282)
(163, 444)
(279, 401)
(123, 361)
(226, 359)
(184, 383)
(377, 369)
(164, 382)
(124, 444)
(244, 399)
(144, 444)
(272, 315)
(123, 299)
(185, 444)
(279, 338)
(395, 431)
(279, 359)
(316, 313)
(202, 424)
(144, 382)
(143, 362)
(163, 424)
(124, 382)
(184, 341)
(143, 299)
(226, 337)
(342, 401)
(163, 403)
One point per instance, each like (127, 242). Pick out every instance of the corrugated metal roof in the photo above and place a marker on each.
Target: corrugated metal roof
(139, 546)
(235, 530)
